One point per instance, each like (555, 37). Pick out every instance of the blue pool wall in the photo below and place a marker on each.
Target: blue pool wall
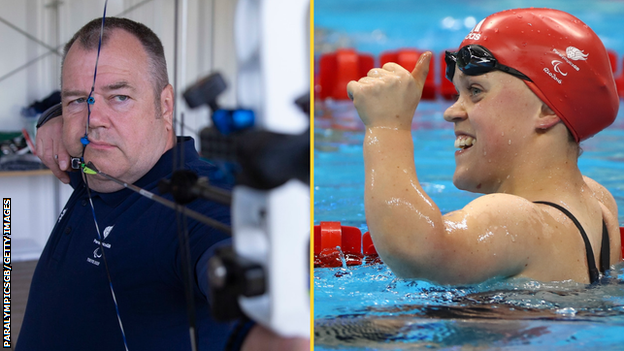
(376, 26)
(373, 26)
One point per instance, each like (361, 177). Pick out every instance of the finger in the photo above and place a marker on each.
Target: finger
(45, 154)
(62, 159)
(374, 73)
(61, 155)
(421, 70)
(368, 80)
(355, 87)
(392, 67)
(49, 160)
(351, 86)
(39, 145)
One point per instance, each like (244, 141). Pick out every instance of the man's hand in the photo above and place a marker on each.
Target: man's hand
(51, 150)
(387, 97)
(262, 339)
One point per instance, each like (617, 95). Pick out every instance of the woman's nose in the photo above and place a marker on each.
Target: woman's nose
(455, 112)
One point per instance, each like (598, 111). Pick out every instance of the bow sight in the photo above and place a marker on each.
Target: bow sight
(265, 274)
(265, 161)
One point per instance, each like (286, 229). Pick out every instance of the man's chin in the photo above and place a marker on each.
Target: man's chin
(102, 184)
(104, 162)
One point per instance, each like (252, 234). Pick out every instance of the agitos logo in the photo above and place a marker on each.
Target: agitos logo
(556, 64)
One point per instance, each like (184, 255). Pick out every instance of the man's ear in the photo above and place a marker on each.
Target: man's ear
(546, 119)
(166, 106)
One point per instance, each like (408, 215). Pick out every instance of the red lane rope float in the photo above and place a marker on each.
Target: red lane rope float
(369, 251)
(338, 69)
(334, 70)
(619, 81)
(622, 240)
(336, 245)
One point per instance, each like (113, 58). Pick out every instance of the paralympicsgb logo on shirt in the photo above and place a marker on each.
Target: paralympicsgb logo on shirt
(97, 253)
(61, 215)
(107, 231)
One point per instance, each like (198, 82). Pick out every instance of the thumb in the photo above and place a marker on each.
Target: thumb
(422, 67)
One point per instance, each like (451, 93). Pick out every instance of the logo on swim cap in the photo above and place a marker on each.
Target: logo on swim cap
(474, 35)
(556, 64)
(575, 54)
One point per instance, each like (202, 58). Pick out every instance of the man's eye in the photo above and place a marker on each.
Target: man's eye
(121, 98)
(78, 101)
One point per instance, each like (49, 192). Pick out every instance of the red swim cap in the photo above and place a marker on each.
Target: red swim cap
(565, 59)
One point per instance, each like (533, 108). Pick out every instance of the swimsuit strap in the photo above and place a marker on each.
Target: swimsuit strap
(605, 250)
(591, 262)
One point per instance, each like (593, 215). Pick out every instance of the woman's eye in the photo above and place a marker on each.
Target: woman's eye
(474, 91)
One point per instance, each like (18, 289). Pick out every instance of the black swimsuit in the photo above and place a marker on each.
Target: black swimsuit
(604, 250)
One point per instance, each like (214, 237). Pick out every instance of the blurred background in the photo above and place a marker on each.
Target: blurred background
(373, 28)
(32, 36)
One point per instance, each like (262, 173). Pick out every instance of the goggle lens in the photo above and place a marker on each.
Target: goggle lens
(474, 60)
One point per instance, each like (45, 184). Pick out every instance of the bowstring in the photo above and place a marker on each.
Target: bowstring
(181, 216)
(85, 141)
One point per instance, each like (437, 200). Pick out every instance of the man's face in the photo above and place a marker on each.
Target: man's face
(127, 133)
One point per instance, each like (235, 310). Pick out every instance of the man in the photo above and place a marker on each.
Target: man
(517, 127)
(110, 276)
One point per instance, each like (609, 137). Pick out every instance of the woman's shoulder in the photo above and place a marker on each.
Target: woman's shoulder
(601, 194)
(610, 216)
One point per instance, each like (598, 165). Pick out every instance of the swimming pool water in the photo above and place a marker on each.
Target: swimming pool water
(368, 308)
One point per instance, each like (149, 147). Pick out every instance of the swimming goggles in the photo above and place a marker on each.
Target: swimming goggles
(475, 60)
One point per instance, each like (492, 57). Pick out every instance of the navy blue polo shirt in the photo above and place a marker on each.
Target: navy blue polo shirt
(70, 305)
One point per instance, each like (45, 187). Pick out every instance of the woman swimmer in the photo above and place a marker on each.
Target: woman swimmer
(531, 84)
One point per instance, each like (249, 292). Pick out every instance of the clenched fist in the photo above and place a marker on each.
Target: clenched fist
(387, 97)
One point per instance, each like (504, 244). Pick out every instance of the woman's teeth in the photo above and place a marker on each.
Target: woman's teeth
(464, 142)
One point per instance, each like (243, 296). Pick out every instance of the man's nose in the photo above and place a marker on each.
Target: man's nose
(98, 116)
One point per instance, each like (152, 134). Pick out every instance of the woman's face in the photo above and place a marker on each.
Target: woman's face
(494, 118)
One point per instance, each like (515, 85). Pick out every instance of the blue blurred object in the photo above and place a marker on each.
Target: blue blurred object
(229, 121)
(29, 112)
